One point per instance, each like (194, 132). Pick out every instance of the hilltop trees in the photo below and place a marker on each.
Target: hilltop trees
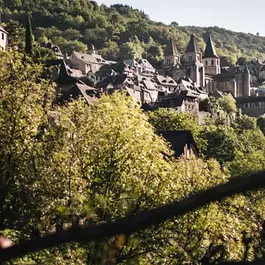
(97, 24)
(29, 37)
(81, 165)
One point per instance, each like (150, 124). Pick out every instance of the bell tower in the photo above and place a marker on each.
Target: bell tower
(171, 57)
(211, 60)
(193, 63)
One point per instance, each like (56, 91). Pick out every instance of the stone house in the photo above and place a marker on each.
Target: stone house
(251, 106)
(3, 38)
(182, 143)
(87, 62)
(183, 101)
(205, 70)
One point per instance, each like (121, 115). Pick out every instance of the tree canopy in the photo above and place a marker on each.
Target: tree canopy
(86, 22)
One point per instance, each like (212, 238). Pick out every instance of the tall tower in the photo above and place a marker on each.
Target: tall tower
(193, 63)
(211, 60)
(171, 57)
(246, 82)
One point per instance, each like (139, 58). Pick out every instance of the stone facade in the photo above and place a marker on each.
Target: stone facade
(251, 106)
(3, 38)
(205, 71)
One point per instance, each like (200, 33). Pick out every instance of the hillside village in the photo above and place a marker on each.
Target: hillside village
(175, 85)
(94, 144)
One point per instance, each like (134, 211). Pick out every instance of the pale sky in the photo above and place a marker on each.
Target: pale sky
(237, 15)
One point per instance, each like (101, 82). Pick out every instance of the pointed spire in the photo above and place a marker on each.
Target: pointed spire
(192, 46)
(210, 50)
(171, 49)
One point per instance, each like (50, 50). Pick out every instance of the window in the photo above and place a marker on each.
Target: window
(190, 58)
(206, 62)
(3, 36)
(168, 61)
(212, 62)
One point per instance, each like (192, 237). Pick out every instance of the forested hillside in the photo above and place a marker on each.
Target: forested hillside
(118, 31)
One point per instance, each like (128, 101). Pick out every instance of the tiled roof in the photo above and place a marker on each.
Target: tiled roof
(178, 141)
(86, 58)
(171, 49)
(2, 29)
(79, 89)
(192, 46)
(210, 50)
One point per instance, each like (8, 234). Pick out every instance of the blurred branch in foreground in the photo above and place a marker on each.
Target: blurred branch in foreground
(140, 221)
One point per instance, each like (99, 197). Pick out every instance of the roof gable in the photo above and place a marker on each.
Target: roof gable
(171, 49)
(192, 46)
(210, 50)
(2, 29)
(178, 140)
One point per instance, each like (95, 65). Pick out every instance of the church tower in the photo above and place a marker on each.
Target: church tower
(246, 82)
(211, 60)
(193, 63)
(171, 57)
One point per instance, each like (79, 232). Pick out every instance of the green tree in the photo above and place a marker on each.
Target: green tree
(221, 143)
(132, 49)
(29, 37)
(261, 123)
(169, 120)
(245, 122)
(228, 104)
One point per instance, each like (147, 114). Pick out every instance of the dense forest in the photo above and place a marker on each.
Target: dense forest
(80, 165)
(119, 31)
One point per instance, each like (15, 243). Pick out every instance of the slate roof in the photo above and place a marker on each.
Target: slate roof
(171, 49)
(86, 58)
(192, 46)
(249, 99)
(77, 90)
(2, 29)
(178, 140)
(65, 77)
(210, 50)
(166, 80)
(146, 64)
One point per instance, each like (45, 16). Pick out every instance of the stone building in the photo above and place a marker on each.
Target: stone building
(3, 38)
(251, 106)
(194, 66)
(87, 62)
(182, 143)
(205, 71)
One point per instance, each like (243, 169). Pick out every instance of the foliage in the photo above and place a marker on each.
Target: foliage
(228, 104)
(170, 119)
(86, 22)
(221, 143)
(261, 123)
(63, 166)
(29, 38)
(245, 122)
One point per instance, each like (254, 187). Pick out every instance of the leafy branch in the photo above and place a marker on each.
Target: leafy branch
(140, 221)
